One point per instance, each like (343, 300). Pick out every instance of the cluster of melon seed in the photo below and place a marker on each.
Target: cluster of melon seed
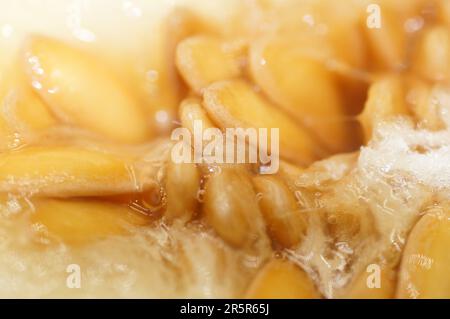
(79, 143)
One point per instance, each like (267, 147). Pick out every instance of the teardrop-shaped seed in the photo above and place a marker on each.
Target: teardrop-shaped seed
(81, 90)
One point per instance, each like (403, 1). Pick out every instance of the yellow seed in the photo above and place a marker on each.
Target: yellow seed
(203, 60)
(424, 268)
(347, 58)
(336, 43)
(83, 91)
(234, 104)
(231, 207)
(444, 11)
(81, 221)
(419, 98)
(23, 109)
(342, 225)
(386, 100)
(285, 223)
(9, 137)
(405, 7)
(432, 60)
(362, 286)
(182, 186)
(281, 279)
(64, 171)
(349, 47)
(31, 111)
(191, 110)
(429, 104)
(163, 88)
(345, 219)
(303, 87)
(388, 43)
(290, 174)
(22, 112)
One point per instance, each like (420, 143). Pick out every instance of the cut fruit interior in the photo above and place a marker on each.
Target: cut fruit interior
(90, 172)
